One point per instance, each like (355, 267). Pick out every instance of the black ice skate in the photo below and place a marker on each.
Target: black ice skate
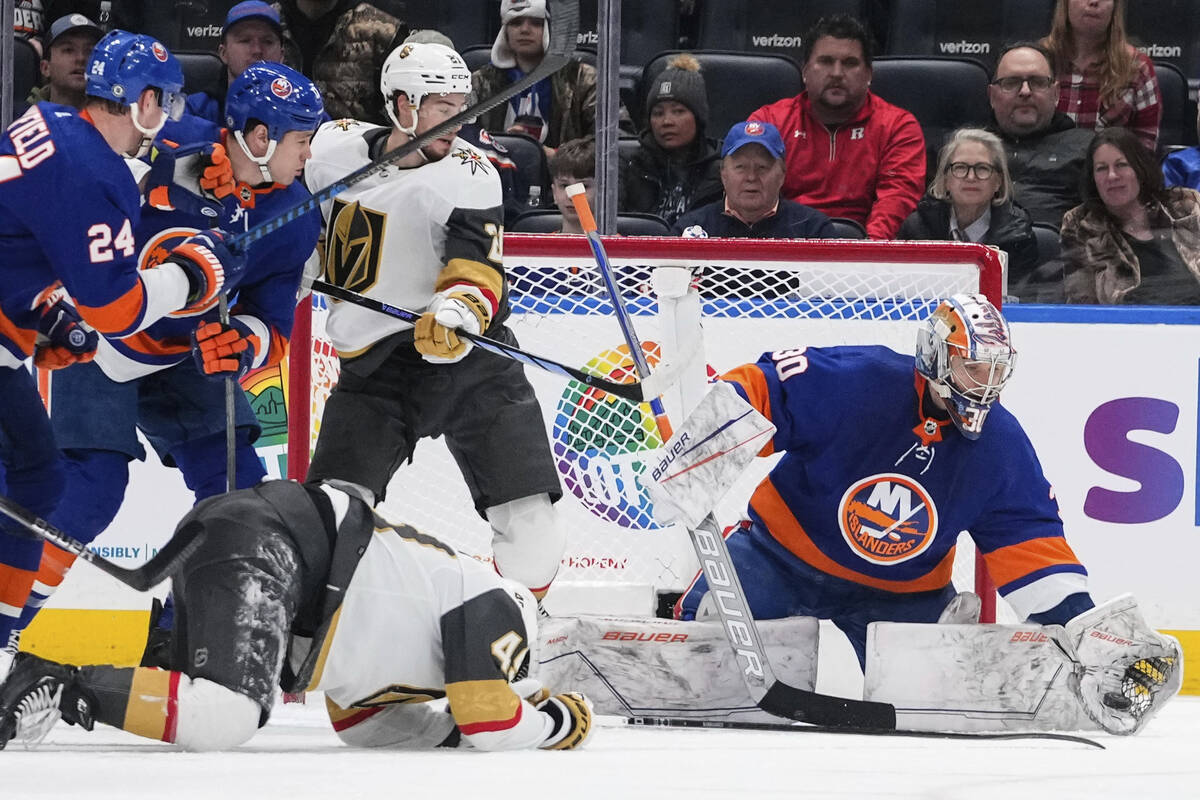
(36, 695)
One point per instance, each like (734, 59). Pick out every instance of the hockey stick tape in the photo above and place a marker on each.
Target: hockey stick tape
(578, 197)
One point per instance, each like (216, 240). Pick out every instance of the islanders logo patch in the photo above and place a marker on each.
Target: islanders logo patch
(887, 518)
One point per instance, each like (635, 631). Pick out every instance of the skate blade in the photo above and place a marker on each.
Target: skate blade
(33, 727)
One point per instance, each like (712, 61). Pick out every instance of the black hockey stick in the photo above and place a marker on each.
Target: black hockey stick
(672, 722)
(768, 692)
(142, 578)
(638, 392)
(564, 25)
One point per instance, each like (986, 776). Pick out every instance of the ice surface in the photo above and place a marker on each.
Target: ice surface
(297, 756)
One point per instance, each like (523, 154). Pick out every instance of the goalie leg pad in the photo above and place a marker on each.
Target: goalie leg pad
(636, 666)
(1125, 670)
(528, 541)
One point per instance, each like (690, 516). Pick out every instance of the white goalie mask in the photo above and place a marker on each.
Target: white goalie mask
(420, 69)
(525, 663)
(964, 350)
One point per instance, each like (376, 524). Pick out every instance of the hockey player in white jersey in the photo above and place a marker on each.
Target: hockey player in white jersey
(426, 233)
(303, 586)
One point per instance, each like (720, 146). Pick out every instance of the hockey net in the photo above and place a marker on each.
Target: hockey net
(711, 304)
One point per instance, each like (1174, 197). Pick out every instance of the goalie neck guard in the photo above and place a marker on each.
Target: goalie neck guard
(964, 350)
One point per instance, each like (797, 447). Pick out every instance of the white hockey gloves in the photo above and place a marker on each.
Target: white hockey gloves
(1125, 671)
(708, 452)
(434, 335)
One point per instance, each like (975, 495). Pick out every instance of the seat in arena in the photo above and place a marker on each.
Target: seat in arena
(530, 158)
(1178, 125)
(975, 28)
(202, 72)
(546, 221)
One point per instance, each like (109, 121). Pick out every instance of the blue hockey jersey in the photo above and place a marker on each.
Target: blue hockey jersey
(265, 299)
(68, 209)
(874, 487)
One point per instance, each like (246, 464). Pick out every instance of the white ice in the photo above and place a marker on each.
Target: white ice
(297, 756)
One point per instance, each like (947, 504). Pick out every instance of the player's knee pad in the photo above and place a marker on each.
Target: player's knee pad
(95, 489)
(528, 540)
(212, 717)
(202, 463)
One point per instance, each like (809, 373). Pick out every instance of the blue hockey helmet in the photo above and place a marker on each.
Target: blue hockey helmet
(964, 350)
(275, 95)
(124, 64)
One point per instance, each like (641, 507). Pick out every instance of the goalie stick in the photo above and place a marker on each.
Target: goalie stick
(672, 722)
(563, 17)
(142, 578)
(638, 392)
(768, 692)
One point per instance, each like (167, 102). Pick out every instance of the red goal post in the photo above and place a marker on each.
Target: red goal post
(709, 303)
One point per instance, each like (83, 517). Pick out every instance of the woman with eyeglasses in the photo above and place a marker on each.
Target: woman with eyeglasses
(1104, 81)
(970, 200)
(1131, 241)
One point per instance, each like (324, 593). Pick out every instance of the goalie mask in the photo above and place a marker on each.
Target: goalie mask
(123, 65)
(420, 69)
(964, 350)
(523, 659)
(276, 96)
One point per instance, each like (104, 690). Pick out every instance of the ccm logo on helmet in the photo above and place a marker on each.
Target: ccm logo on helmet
(159, 51)
(281, 87)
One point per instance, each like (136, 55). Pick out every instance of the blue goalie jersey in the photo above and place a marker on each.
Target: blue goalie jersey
(874, 487)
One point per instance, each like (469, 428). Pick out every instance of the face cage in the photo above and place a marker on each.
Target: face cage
(969, 406)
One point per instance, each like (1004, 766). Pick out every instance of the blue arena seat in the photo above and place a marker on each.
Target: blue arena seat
(972, 28)
(202, 71)
(737, 84)
(767, 26)
(1178, 126)
(942, 93)
(1167, 31)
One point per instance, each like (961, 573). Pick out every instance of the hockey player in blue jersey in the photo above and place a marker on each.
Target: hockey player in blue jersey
(882, 467)
(167, 380)
(69, 206)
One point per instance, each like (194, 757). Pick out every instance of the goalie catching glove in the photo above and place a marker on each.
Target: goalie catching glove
(224, 351)
(435, 334)
(209, 265)
(63, 338)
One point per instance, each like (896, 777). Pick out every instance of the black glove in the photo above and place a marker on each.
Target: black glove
(63, 338)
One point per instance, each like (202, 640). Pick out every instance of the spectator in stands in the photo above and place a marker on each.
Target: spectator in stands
(970, 200)
(676, 167)
(1132, 241)
(752, 174)
(68, 48)
(849, 153)
(1045, 148)
(1105, 81)
(554, 110)
(341, 45)
(573, 162)
(252, 32)
(1182, 168)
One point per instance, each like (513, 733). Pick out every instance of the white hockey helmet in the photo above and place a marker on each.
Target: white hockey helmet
(525, 663)
(964, 350)
(420, 69)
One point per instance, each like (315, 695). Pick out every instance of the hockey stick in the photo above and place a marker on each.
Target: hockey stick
(737, 725)
(563, 18)
(142, 578)
(768, 692)
(637, 392)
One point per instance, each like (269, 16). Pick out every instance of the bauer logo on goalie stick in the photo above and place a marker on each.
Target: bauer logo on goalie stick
(887, 519)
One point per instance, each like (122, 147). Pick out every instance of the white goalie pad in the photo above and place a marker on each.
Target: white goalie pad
(638, 666)
(1125, 670)
(708, 452)
(972, 677)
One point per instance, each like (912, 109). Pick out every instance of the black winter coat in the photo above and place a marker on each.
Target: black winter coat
(652, 183)
(1010, 230)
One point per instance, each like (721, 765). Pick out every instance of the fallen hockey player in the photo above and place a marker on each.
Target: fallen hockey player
(304, 586)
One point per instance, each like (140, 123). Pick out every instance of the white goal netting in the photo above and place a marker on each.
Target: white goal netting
(712, 304)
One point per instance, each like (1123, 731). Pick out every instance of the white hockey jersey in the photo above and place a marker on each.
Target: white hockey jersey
(404, 233)
(419, 623)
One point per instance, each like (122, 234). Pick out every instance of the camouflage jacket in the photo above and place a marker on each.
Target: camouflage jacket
(347, 68)
(573, 101)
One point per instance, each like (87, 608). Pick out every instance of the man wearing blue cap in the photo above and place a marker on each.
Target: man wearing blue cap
(252, 33)
(752, 173)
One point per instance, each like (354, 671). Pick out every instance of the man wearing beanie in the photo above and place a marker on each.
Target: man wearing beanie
(553, 110)
(676, 167)
(849, 153)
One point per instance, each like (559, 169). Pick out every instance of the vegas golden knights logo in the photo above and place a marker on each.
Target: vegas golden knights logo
(353, 246)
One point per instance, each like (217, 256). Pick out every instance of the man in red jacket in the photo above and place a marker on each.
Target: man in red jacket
(849, 153)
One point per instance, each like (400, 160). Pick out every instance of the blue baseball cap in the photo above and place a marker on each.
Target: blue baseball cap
(760, 133)
(252, 9)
